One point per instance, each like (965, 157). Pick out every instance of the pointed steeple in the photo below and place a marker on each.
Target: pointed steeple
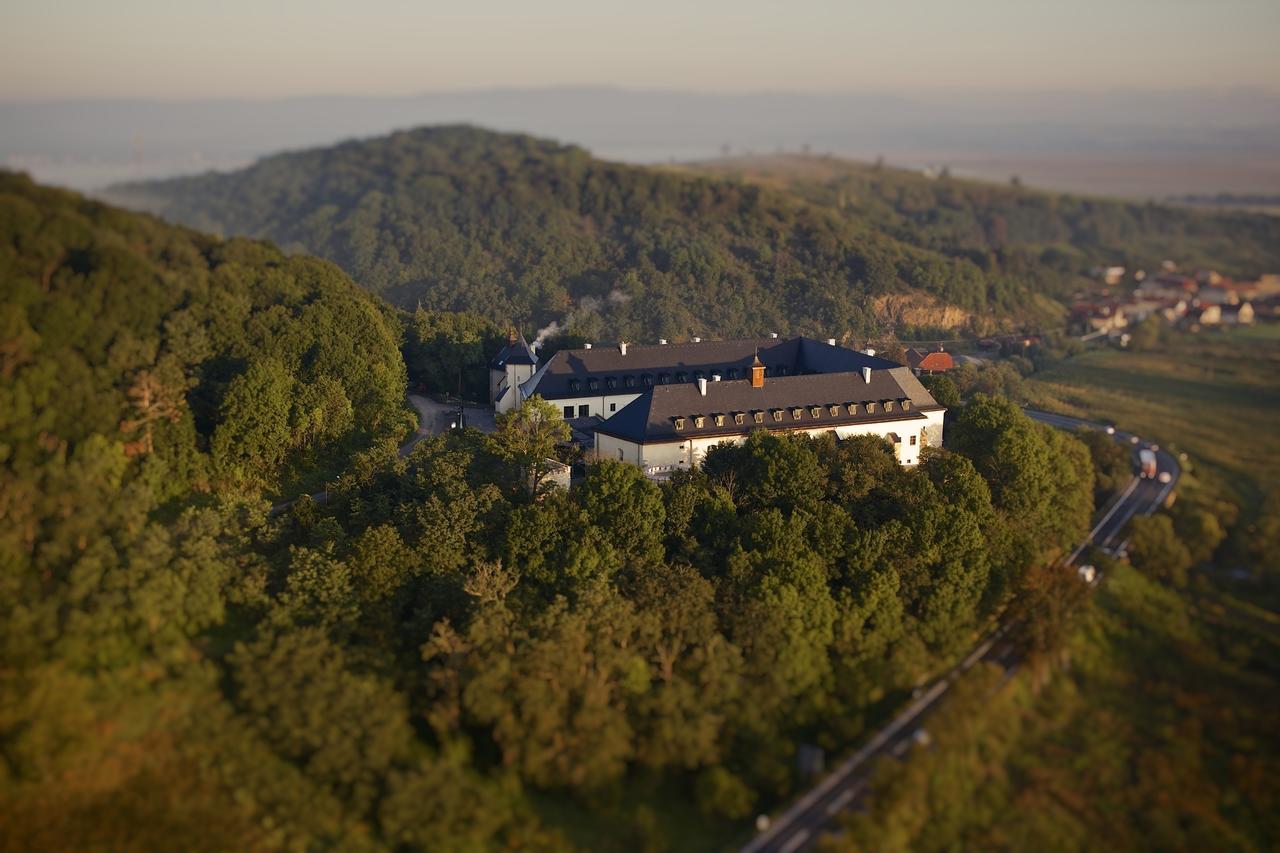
(757, 371)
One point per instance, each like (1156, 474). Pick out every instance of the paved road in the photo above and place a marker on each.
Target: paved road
(799, 827)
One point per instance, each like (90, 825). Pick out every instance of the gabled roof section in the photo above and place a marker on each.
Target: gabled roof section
(516, 351)
(569, 372)
(676, 412)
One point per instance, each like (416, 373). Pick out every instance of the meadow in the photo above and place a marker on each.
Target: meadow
(1214, 396)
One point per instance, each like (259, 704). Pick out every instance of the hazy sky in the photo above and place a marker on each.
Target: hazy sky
(258, 48)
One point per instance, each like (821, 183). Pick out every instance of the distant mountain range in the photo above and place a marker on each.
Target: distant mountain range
(514, 227)
(1145, 145)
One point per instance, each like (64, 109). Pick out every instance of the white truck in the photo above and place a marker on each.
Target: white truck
(1147, 462)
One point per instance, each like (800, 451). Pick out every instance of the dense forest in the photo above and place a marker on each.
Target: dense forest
(1035, 234)
(513, 227)
(440, 655)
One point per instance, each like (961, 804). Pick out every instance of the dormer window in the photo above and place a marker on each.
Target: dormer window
(835, 411)
(815, 411)
(719, 420)
(593, 384)
(852, 407)
(759, 417)
(681, 377)
(575, 385)
(628, 382)
(646, 380)
(888, 405)
(679, 423)
(738, 418)
(732, 373)
(906, 405)
(796, 413)
(663, 378)
(699, 421)
(610, 382)
(777, 414)
(871, 408)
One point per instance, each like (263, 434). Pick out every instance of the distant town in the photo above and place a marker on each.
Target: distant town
(1196, 300)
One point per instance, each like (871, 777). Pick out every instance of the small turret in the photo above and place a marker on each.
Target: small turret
(757, 372)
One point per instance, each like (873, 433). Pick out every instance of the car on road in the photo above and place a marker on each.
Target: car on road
(1165, 477)
(1109, 429)
(1087, 573)
(1133, 439)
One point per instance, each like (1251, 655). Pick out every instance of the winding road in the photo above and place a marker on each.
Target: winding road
(799, 827)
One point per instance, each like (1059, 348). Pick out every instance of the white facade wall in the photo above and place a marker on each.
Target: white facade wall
(600, 404)
(504, 386)
(659, 460)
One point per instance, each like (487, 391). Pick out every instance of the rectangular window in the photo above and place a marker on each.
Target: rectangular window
(613, 407)
(584, 411)
(913, 441)
(568, 412)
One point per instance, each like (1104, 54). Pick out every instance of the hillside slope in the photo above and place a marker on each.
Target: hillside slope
(458, 218)
(193, 361)
(1061, 233)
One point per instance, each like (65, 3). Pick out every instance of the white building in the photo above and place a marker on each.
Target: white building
(663, 406)
(513, 365)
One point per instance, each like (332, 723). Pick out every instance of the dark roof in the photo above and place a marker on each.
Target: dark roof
(652, 416)
(781, 357)
(515, 352)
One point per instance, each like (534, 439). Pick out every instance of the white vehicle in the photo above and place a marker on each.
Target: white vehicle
(1165, 477)
(1088, 574)
(1110, 430)
(1147, 462)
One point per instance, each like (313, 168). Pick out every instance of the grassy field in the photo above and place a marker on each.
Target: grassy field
(1214, 396)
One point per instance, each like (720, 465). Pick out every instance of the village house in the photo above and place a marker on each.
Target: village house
(929, 363)
(1237, 315)
(662, 406)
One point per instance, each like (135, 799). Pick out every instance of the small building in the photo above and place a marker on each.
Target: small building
(1237, 315)
(514, 365)
(929, 363)
(1203, 315)
(1217, 294)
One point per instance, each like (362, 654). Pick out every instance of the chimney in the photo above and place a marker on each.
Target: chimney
(831, 342)
(773, 335)
(868, 351)
(662, 342)
(866, 375)
(757, 373)
(622, 347)
(702, 386)
(715, 377)
(697, 340)
(586, 346)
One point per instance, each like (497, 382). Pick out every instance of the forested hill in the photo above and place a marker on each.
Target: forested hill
(136, 349)
(459, 218)
(972, 218)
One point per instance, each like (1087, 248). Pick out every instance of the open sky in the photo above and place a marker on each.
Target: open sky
(259, 48)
